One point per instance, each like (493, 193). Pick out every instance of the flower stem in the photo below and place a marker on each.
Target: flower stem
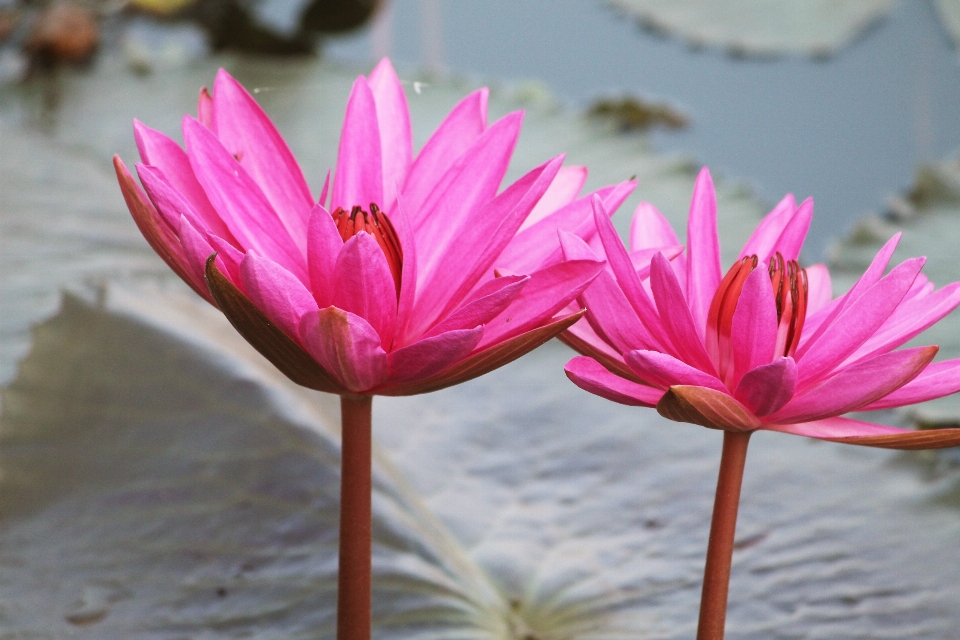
(716, 574)
(353, 579)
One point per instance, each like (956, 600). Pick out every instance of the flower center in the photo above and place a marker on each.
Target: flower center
(789, 283)
(377, 224)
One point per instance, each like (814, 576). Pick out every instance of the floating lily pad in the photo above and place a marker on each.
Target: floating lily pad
(759, 27)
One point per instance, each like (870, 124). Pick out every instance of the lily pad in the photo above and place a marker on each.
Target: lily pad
(757, 27)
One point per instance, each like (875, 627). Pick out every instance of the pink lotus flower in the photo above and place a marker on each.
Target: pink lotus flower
(387, 284)
(765, 346)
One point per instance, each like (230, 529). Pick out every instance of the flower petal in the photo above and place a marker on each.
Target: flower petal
(583, 339)
(680, 328)
(246, 132)
(205, 108)
(765, 236)
(272, 343)
(155, 229)
(359, 177)
(365, 285)
(753, 335)
(408, 271)
(937, 380)
(706, 407)
(228, 259)
(277, 292)
(347, 346)
(649, 229)
(430, 356)
(703, 251)
(323, 246)
(169, 202)
(866, 434)
(563, 190)
(791, 240)
(486, 360)
(195, 248)
(242, 205)
(819, 287)
(856, 386)
(664, 371)
(487, 302)
(768, 387)
(589, 375)
(393, 119)
(457, 133)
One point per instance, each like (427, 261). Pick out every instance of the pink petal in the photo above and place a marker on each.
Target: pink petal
(649, 229)
(323, 246)
(856, 386)
(346, 346)
(277, 292)
(819, 287)
(857, 323)
(707, 407)
(548, 291)
(432, 355)
(325, 191)
(408, 273)
(627, 277)
(359, 177)
(608, 311)
(866, 434)
(680, 327)
(247, 133)
(478, 244)
(196, 249)
(393, 119)
(765, 236)
(365, 285)
(487, 302)
(753, 336)
(664, 371)
(791, 240)
(228, 259)
(563, 190)
(583, 339)
(703, 251)
(768, 387)
(169, 202)
(455, 135)
(470, 182)
(937, 380)
(242, 205)
(157, 150)
(205, 108)
(817, 323)
(590, 376)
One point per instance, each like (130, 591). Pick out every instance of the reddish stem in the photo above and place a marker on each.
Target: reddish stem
(716, 574)
(353, 579)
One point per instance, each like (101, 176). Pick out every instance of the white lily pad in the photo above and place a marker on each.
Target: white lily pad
(760, 27)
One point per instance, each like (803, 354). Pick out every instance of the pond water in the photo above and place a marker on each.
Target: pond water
(849, 130)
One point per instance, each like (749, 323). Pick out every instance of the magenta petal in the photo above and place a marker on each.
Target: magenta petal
(766, 388)
(241, 203)
(323, 247)
(765, 236)
(277, 292)
(847, 431)
(589, 375)
(228, 259)
(359, 177)
(649, 229)
(157, 150)
(679, 327)
(547, 292)
(627, 277)
(346, 346)
(857, 323)
(791, 240)
(937, 380)
(856, 386)
(608, 310)
(487, 302)
(196, 249)
(819, 288)
(453, 137)
(430, 356)
(703, 251)
(246, 132)
(393, 119)
(664, 371)
(563, 190)
(753, 336)
(365, 285)
(205, 108)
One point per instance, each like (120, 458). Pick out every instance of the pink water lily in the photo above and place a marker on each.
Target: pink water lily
(409, 273)
(764, 347)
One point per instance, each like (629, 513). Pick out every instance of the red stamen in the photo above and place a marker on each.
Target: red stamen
(720, 316)
(378, 225)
